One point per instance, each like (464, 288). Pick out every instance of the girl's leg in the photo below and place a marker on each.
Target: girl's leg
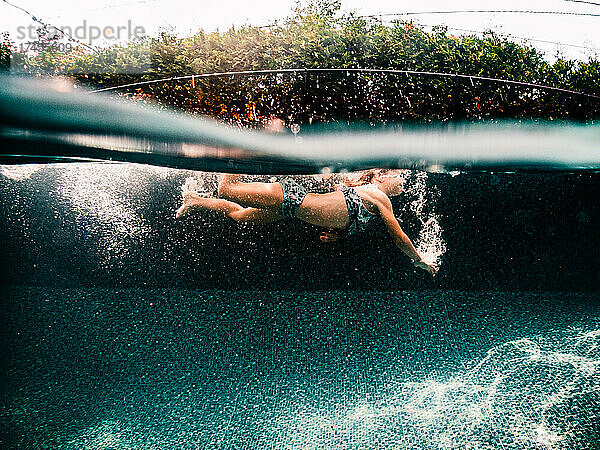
(192, 200)
(230, 209)
(257, 195)
(256, 215)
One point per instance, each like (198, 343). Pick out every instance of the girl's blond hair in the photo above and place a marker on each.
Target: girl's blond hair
(366, 177)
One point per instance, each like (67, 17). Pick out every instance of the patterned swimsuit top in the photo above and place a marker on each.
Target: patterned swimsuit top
(359, 216)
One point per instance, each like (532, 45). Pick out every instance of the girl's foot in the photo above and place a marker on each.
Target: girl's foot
(190, 199)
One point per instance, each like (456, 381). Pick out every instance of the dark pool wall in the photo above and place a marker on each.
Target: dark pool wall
(88, 225)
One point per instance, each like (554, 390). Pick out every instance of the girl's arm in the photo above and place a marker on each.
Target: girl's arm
(400, 238)
(330, 235)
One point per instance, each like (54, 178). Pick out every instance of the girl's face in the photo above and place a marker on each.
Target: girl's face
(391, 181)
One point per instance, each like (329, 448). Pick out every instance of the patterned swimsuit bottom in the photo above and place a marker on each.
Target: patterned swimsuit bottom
(293, 195)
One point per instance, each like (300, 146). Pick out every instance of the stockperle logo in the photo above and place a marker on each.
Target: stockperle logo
(84, 33)
(61, 41)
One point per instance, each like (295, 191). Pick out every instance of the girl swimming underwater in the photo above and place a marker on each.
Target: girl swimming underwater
(350, 208)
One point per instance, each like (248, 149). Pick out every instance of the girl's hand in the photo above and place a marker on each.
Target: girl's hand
(431, 268)
(330, 235)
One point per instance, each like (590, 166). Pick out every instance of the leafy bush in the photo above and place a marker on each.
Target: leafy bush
(316, 36)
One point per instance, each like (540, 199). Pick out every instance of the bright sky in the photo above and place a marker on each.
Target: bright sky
(186, 16)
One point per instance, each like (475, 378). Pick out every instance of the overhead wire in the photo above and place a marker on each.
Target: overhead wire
(513, 36)
(46, 26)
(119, 5)
(373, 16)
(583, 1)
(482, 11)
(467, 11)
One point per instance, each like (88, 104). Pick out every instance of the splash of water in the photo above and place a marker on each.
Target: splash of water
(20, 172)
(202, 185)
(95, 193)
(430, 243)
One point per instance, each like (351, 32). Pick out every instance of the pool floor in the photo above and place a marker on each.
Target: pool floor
(134, 368)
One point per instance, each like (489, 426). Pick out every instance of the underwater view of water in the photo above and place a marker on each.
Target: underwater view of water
(124, 327)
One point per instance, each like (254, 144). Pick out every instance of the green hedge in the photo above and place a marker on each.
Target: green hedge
(316, 36)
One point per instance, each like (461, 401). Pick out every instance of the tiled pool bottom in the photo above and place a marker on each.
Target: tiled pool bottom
(133, 369)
